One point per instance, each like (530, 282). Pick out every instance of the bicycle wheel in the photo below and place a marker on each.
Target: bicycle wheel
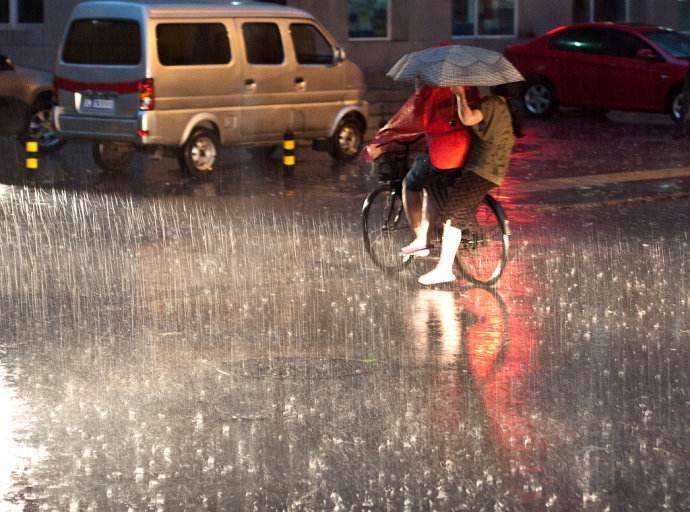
(385, 229)
(483, 252)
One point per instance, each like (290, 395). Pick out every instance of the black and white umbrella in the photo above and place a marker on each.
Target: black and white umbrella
(447, 66)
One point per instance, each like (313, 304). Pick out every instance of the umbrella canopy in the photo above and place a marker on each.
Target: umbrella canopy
(447, 66)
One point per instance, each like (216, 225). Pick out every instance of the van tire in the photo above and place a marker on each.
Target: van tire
(347, 140)
(112, 156)
(198, 156)
(39, 126)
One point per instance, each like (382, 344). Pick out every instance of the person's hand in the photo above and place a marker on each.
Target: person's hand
(373, 151)
(458, 90)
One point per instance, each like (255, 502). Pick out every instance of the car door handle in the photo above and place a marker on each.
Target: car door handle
(300, 83)
(249, 84)
(299, 80)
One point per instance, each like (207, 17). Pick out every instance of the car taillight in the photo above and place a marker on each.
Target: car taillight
(147, 94)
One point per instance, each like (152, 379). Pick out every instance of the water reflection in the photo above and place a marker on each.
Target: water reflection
(174, 355)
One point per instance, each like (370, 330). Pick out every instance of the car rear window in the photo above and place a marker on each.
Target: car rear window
(675, 43)
(580, 40)
(192, 44)
(103, 41)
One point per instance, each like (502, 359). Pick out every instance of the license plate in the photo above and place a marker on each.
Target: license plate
(99, 104)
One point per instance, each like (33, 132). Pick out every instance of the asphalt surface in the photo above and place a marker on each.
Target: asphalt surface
(226, 344)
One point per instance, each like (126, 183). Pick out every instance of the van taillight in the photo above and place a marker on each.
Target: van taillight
(147, 95)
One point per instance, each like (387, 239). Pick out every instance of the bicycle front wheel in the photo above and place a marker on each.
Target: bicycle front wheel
(483, 252)
(385, 229)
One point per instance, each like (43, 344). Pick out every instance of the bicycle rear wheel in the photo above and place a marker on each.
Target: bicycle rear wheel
(483, 252)
(385, 229)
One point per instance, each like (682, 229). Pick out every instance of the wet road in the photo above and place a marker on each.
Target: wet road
(170, 344)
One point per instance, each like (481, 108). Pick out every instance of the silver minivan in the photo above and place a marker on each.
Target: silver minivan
(194, 76)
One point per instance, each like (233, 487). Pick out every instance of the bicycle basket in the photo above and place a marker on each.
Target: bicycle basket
(391, 166)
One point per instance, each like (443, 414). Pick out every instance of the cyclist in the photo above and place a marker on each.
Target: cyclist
(430, 113)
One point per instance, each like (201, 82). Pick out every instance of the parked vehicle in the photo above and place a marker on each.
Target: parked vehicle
(26, 103)
(192, 76)
(604, 66)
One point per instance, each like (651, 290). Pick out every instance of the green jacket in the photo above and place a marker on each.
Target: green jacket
(492, 141)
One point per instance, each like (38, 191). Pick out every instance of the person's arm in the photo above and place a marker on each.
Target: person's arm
(468, 116)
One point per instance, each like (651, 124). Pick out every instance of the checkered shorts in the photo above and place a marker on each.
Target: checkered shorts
(457, 195)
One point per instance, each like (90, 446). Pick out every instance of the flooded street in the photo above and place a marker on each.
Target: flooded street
(228, 345)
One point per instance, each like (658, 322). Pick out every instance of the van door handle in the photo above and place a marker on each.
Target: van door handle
(249, 84)
(300, 83)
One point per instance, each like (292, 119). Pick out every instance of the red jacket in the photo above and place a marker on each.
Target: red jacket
(432, 112)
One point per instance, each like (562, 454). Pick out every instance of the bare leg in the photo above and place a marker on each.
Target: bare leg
(416, 209)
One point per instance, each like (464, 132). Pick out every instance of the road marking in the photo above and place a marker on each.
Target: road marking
(597, 180)
(604, 204)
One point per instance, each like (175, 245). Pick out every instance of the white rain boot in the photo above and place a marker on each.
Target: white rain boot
(443, 273)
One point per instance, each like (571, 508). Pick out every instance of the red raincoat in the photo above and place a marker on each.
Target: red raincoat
(432, 112)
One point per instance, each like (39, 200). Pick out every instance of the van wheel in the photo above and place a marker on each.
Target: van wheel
(112, 156)
(347, 139)
(199, 154)
(40, 127)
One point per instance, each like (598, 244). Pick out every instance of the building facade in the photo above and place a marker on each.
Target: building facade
(375, 33)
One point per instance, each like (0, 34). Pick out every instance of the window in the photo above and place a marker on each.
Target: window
(263, 43)
(675, 43)
(192, 44)
(310, 45)
(620, 44)
(579, 40)
(30, 11)
(21, 12)
(484, 17)
(4, 11)
(601, 10)
(103, 41)
(684, 15)
(368, 19)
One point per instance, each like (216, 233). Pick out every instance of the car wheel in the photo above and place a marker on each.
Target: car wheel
(347, 139)
(676, 109)
(199, 154)
(41, 128)
(112, 156)
(539, 98)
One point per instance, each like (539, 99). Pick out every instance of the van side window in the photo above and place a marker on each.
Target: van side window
(192, 44)
(310, 45)
(263, 43)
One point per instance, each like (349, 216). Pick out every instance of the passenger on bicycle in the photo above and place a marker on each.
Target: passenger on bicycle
(485, 168)
(490, 129)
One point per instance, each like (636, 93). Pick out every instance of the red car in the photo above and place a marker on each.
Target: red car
(604, 66)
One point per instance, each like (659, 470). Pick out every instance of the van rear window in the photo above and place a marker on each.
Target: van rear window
(103, 41)
(192, 44)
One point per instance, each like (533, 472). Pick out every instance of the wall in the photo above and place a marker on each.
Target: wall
(416, 24)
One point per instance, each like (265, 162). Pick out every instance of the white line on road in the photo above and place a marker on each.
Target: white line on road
(598, 179)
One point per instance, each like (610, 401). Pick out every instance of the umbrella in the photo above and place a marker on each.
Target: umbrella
(447, 66)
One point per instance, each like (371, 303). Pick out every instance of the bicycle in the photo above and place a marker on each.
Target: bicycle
(483, 254)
